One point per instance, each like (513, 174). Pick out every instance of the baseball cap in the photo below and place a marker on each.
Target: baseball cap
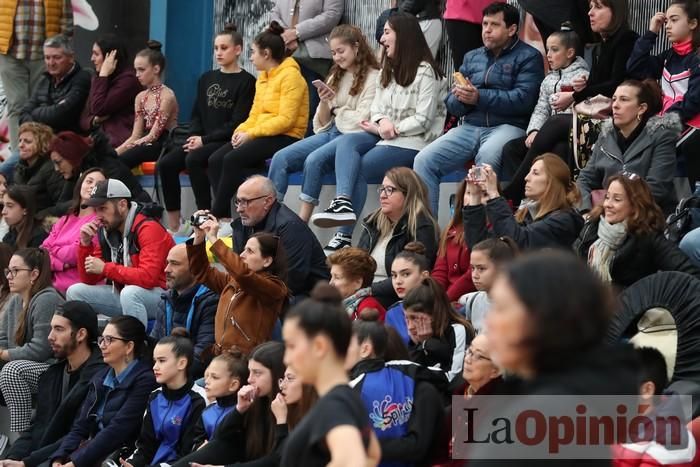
(105, 190)
(82, 315)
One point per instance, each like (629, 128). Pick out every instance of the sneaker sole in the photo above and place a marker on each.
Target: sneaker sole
(324, 221)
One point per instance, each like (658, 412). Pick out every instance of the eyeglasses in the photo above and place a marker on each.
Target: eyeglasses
(286, 379)
(13, 272)
(243, 203)
(106, 341)
(476, 356)
(387, 190)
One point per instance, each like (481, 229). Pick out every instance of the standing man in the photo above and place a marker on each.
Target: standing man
(24, 26)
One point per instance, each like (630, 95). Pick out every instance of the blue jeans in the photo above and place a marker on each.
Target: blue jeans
(690, 244)
(315, 155)
(132, 300)
(458, 146)
(7, 168)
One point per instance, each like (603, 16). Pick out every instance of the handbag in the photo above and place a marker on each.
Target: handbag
(587, 118)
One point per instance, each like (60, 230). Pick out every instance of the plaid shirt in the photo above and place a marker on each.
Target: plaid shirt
(30, 31)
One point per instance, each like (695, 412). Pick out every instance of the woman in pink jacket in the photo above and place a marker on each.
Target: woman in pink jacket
(463, 25)
(62, 242)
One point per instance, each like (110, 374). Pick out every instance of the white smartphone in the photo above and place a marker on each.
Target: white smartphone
(321, 85)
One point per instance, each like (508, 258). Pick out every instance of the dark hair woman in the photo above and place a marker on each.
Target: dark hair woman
(112, 93)
(18, 210)
(256, 279)
(623, 240)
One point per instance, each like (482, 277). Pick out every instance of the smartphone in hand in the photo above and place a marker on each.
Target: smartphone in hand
(320, 85)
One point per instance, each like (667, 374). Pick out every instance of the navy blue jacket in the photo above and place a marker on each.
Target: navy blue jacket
(169, 426)
(508, 86)
(121, 418)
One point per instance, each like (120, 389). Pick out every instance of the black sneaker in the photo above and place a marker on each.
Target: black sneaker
(338, 242)
(338, 213)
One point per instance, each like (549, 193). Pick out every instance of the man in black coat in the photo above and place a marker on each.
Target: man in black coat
(188, 305)
(64, 385)
(60, 95)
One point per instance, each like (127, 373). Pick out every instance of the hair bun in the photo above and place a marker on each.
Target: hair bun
(326, 293)
(275, 28)
(369, 315)
(566, 26)
(180, 332)
(233, 352)
(415, 247)
(230, 27)
(154, 45)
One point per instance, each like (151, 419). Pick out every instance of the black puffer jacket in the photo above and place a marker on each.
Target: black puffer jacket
(59, 105)
(47, 184)
(638, 257)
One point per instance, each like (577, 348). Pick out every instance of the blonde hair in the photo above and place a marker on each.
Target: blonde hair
(43, 135)
(415, 203)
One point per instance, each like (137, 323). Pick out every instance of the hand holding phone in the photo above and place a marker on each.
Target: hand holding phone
(324, 91)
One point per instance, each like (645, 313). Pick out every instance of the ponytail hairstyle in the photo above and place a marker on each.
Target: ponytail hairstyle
(560, 193)
(236, 364)
(649, 93)
(388, 345)
(364, 60)
(131, 329)
(271, 247)
(271, 39)
(568, 37)
(692, 11)
(231, 30)
(414, 252)
(34, 258)
(430, 298)
(179, 340)
(499, 250)
(153, 54)
(25, 196)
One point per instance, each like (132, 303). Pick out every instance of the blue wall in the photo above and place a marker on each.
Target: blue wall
(186, 30)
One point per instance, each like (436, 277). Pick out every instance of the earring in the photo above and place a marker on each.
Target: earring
(639, 118)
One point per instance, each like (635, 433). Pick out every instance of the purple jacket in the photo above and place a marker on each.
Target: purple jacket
(113, 97)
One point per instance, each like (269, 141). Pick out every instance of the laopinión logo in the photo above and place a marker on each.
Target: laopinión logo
(569, 427)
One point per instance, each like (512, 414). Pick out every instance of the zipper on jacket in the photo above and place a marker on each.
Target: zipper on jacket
(234, 323)
(612, 156)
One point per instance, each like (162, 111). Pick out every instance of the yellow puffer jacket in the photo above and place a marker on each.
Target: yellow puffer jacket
(52, 11)
(281, 105)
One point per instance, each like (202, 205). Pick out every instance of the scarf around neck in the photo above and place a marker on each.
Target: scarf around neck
(602, 252)
(532, 207)
(353, 301)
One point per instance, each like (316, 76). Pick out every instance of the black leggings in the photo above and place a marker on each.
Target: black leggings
(143, 153)
(238, 164)
(174, 162)
(463, 36)
(552, 137)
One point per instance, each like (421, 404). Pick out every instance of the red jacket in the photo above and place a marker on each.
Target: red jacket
(452, 270)
(369, 302)
(147, 266)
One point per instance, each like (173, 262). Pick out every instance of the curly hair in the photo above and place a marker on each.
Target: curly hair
(646, 217)
(355, 263)
(364, 60)
(43, 135)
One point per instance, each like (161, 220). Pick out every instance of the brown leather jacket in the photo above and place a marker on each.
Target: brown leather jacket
(250, 301)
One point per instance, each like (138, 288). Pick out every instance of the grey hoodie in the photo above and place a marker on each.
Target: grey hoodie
(36, 345)
(550, 84)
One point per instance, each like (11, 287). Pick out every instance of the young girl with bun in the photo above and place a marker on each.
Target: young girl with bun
(155, 108)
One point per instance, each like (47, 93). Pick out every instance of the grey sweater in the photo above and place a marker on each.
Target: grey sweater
(36, 345)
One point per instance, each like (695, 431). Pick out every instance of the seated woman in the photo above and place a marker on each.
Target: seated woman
(623, 240)
(403, 217)
(345, 102)
(546, 218)
(155, 108)
(352, 272)
(62, 242)
(112, 93)
(452, 270)
(223, 101)
(481, 374)
(277, 119)
(24, 331)
(112, 413)
(73, 154)
(677, 71)
(248, 432)
(19, 210)
(406, 114)
(35, 170)
(406, 410)
(255, 279)
(636, 141)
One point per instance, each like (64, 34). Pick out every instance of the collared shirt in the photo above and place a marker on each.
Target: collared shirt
(29, 31)
(111, 381)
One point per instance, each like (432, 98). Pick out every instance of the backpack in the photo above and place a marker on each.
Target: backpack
(685, 218)
(153, 213)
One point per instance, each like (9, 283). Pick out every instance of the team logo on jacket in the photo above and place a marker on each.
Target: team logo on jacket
(387, 414)
(176, 420)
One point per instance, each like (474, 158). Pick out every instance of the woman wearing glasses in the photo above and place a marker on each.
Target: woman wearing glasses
(111, 415)
(253, 288)
(623, 240)
(24, 331)
(479, 371)
(403, 217)
(636, 141)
